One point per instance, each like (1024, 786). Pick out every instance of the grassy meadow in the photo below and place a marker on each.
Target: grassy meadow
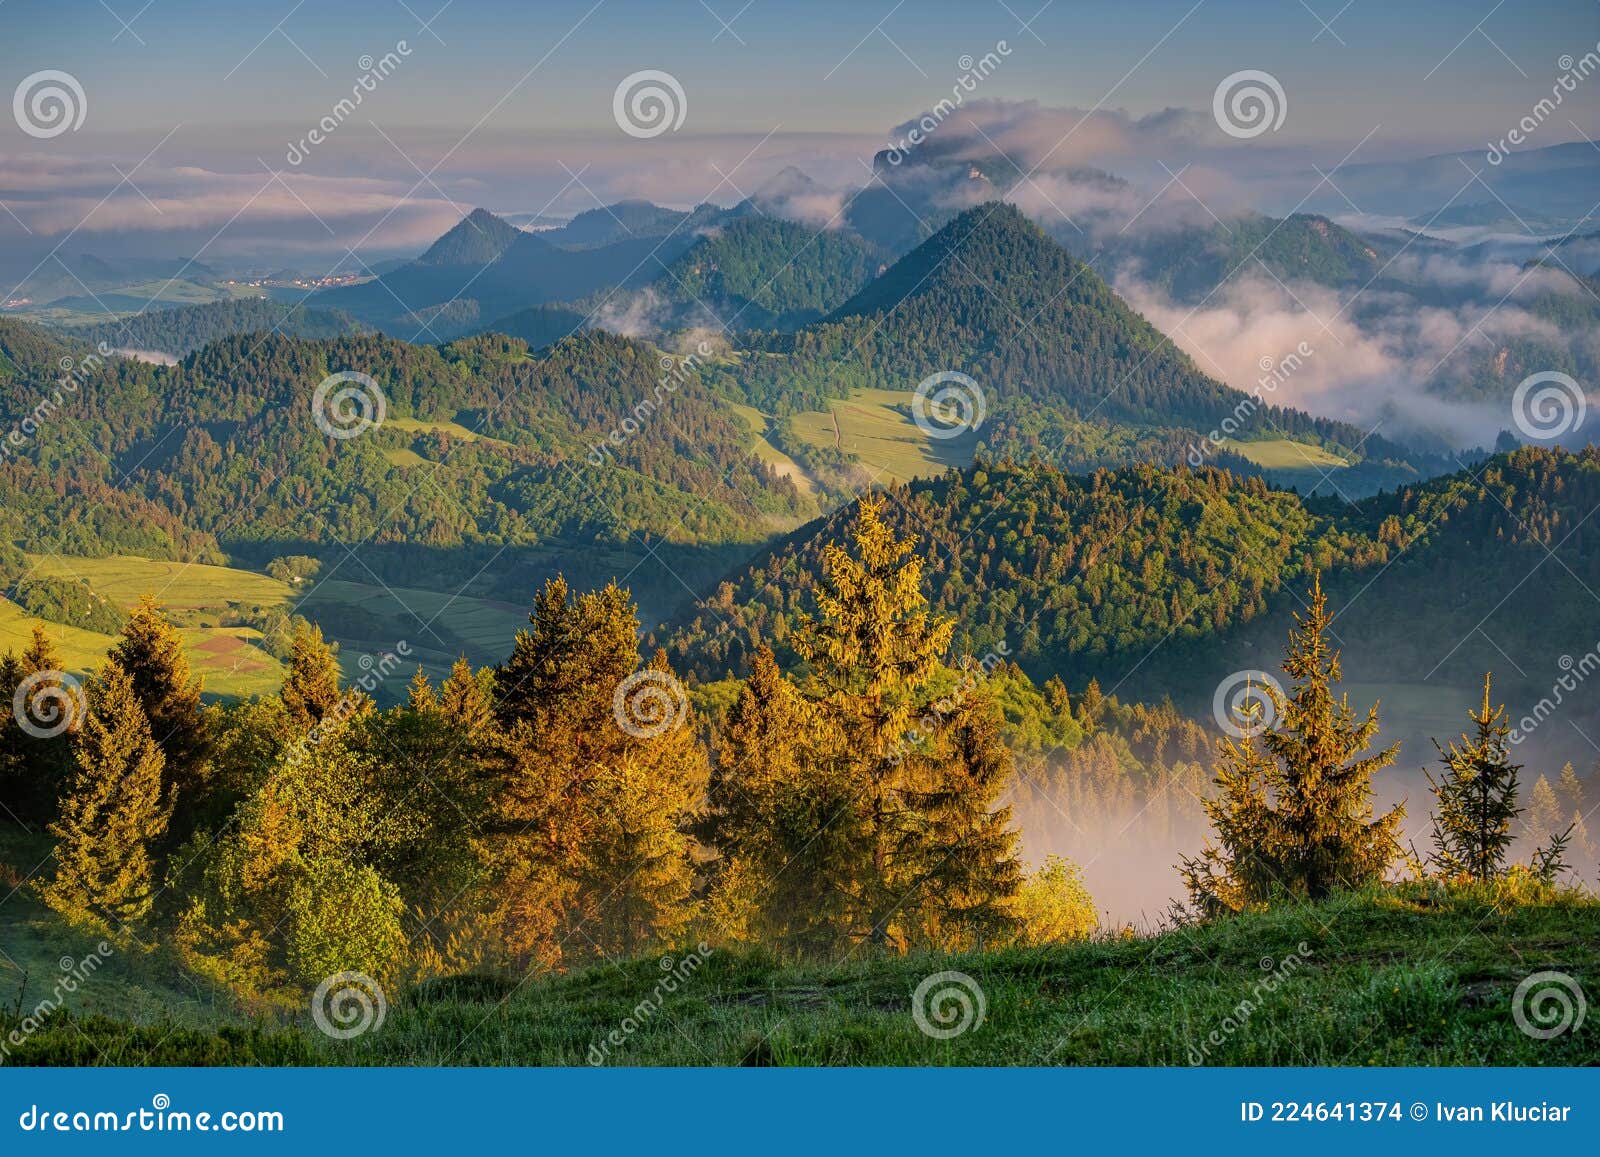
(365, 618)
(1409, 976)
(876, 426)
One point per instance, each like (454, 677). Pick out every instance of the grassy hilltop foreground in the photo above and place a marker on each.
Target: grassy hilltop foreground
(1412, 976)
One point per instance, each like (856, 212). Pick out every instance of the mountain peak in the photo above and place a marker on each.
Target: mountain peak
(995, 231)
(479, 238)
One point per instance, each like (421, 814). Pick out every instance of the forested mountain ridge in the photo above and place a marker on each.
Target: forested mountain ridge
(482, 443)
(478, 239)
(1049, 343)
(762, 272)
(183, 329)
(1189, 262)
(1081, 576)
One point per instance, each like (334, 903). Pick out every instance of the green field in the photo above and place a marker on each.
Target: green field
(80, 649)
(454, 429)
(405, 458)
(770, 454)
(1412, 976)
(106, 304)
(1285, 454)
(365, 618)
(876, 426)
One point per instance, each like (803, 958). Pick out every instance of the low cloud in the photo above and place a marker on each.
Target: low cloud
(1382, 357)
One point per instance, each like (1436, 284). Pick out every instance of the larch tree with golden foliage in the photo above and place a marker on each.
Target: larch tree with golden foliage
(113, 815)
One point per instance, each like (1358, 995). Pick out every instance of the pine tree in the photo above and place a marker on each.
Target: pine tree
(1476, 797)
(151, 652)
(114, 813)
(1294, 813)
(311, 685)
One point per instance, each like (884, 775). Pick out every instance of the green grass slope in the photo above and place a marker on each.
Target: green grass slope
(1411, 976)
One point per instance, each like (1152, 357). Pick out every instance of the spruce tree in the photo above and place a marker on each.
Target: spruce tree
(467, 699)
(876, 654)
(1294, 813)
(962, 897)
(311, 685)
(1239, 870)
(1544, 811)
(114, 813)
(1569, 789)
(577, 790)
(33, 768)
(783, 820)
(151, 652)
(14, 785)
(1476, 797)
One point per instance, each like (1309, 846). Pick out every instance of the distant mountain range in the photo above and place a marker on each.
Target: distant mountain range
(1558, 181)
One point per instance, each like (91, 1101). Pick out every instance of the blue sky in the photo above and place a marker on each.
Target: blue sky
(781, 62)
(502, 103)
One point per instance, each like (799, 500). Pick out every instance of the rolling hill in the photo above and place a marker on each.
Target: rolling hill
(1087, 576)
(1189, 263)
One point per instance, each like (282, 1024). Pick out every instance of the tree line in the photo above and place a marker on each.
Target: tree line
(572, 804)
